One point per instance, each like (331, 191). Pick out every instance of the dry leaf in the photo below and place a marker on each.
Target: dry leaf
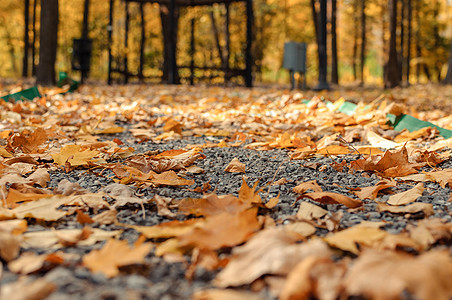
(309, 211)
(67, 188)
(38, 289)
(225, 294)
(40, 176)
(9, 245)
(303, 228)
(113, 255)
(75, 155)
(30, 262)
(68, 238)
(371, 192)
(235, 166)
(305, 186)
(212, 204)
(426, 208)
(168, 229)
(387, 275)
(162, 206)
(271, 251)
(42, 209)
(332, 198)
(106, 217)
(170, 178)
(348, 239)
(408, 196)
(233, 230)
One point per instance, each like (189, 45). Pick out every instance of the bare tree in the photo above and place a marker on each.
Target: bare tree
(48, 42)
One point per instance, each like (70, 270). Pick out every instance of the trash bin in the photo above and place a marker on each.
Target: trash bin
(295, 60)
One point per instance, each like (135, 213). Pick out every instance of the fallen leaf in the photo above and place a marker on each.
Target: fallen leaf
(16, 198)
(172, 125)
(332, 198)
(233, 229)
(30, 289)
(426, 276)
(426, 208)
(42, 209)
(429, 231)
(168, 229)
(347, 239)
(30, 262)
(170, 178)
(408, 196)
(106, 217)
(212, 204)
(162, 206)
(9, 245)
(225, 294)
(303, 228)
(271, 251)
(75, 155)
(29, 141)
(115, 254)
(309, 211)
(40, 176)
(83, 218)
(371, 192)
(308, 185)
(71, 238)
(235, 166)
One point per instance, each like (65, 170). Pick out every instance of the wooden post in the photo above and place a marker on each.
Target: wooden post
(126, 44)
(142, 42)
(110, 40)
(172, 43)
(26, 38)
(249, 41)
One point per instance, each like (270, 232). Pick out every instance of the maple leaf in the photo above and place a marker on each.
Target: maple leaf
(115, 254)
(42, 209)
(309, 211)
(235, 166)
(332, 198)
(29, 141)
(172, 125)
(15, 198)
(75, 155)
(271, 251)
(30, 262)
(233, 229)
(427, 276)
(212, 204)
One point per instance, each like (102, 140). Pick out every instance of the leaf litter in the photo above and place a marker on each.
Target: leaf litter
(267, 195)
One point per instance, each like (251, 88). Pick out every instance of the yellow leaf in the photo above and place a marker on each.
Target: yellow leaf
(408, 196)
(115, 254)
(74, 155)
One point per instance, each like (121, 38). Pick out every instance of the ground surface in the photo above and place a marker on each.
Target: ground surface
(221, 193)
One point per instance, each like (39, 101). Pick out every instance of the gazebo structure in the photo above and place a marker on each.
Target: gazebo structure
(172, 67)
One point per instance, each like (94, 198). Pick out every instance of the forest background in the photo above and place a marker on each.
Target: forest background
(276, 22)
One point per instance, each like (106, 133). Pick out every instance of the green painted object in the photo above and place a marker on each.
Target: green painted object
(65, 79)
(28, 94)
(412, 124)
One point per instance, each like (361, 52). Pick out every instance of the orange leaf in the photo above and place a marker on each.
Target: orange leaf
(115, 254)
(308, 185)
(408, 196)
(172, 125)
(170, 178)
(426, 208)
(333, 198)
(371, 192)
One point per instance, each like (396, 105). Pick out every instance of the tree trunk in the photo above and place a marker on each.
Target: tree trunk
(48, 42)
(166, 33)
(216, 36)
(401, 56)
(355, 43)
(142, 42)
(363, 38)
(408, 46)
(418, 40)
(323, 62)
(392, 75)
(448, 78)
(26, 38)
(33, 43)
(334, 71)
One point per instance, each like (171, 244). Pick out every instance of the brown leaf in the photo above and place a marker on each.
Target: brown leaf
(172, 125)
(332, 198)
(225, 294)
(170, 178)
(308, 185)
(16, 198)
(67, 188)
(271, 251)
(106, 217)
(408, 196)
(66, 238)
(113, 255)
(303, 228)
(40, 176)
(83, 218)
(29, 141)
(9, 245)
(235, 166)
(309, 211)
(42, 209)
(168, 229)
(162, 206)
(426, 208)
(74, 155)
(233, 230)
(212, 204)
(371, 192)
(314, 276)
(429, 231)
(426, 276)
(30, 262)
(38, 289)
(348, 239)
